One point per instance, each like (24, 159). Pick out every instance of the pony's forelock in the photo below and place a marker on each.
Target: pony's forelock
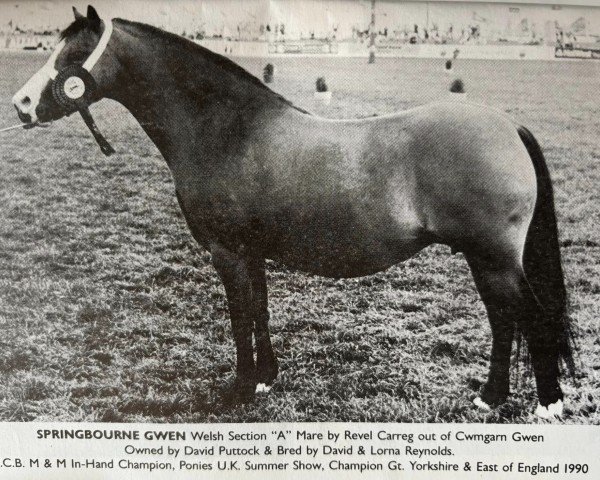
(78, 25)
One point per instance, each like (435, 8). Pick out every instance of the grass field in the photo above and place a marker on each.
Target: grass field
(111, 312)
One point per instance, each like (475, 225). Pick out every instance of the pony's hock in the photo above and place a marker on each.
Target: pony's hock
(339, 198)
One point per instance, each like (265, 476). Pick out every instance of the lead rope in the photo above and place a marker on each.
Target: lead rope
(21, 125)
(85, 113)
(24, 126)
(106, 147)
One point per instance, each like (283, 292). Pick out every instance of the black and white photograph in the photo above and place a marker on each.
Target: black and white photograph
(249, 211)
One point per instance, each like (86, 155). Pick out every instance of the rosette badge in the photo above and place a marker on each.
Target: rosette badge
(73, 88)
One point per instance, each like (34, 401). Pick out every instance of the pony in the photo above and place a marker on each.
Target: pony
(259, 178)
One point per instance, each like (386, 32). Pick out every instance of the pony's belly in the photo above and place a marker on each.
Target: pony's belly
(342, 260)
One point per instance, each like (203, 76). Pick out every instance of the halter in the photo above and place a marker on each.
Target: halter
(73, 87)
(75, 82)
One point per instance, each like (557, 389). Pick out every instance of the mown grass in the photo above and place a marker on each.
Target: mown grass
(111, 312)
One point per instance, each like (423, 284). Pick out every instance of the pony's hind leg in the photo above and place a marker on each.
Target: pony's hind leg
(509, 300)
(499, 287)
(543, 342)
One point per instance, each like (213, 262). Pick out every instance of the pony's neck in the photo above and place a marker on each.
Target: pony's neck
(180, 92)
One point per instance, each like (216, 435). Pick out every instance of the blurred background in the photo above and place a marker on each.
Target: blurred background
(336, 27)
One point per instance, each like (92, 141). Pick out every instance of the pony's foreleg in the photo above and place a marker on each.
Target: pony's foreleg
(235, 274)
(266, 362)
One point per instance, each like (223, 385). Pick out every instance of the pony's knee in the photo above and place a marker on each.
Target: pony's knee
(224, 260)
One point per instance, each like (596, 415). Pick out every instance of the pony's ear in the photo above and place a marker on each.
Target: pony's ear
(93, 17)
(78, 16)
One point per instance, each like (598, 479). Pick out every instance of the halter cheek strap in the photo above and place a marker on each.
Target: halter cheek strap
(99, 50)
(91, 60)
(73, 86)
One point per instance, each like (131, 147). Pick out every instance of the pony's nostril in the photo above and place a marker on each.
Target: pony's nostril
(26, 101)
(24, 117)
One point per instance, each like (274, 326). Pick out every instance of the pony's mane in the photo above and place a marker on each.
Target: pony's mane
(149, 31)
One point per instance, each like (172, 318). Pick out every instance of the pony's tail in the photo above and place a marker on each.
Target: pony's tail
(541, 258)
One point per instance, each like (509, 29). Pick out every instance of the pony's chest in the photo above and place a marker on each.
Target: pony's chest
(221, 216)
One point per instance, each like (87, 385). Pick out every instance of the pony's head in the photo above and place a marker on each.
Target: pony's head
(75, 74)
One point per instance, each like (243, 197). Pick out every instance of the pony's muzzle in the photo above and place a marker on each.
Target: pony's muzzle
(27, 99)
(25, 107)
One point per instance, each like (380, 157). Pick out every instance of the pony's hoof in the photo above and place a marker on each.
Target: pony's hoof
(267, 370)
(240, 392)
(551, 411)
(262, 388)
(479, 403)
